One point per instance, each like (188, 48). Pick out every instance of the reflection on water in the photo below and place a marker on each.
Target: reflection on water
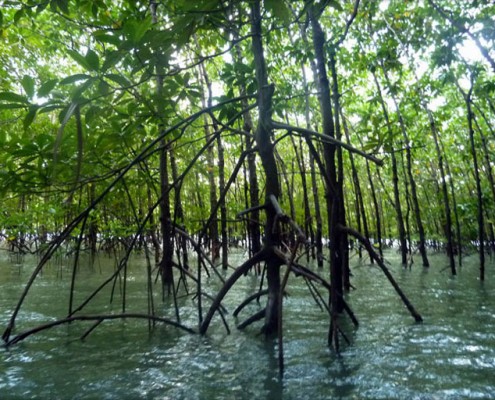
(450, 356)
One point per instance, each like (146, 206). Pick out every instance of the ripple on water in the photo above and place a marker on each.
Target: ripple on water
(450, 356)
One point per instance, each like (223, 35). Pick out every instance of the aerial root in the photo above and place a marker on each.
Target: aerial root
(255, 259)
(99, 319)
(253, 318)
(248, 300)
(373, 254)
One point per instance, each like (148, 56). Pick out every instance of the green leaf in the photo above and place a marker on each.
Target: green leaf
(79, 90)
(63, 6)
(93, 60)
(279, 10)
(18, 15)
(111, 59)
(49, 108)
(40, 7)
(14, 97)
(135, 30)
(103, 88)
(91, 113)
(184, 28)
(47, 87)
(74, 78)
(103, 36)
(335, 4)
(27, 83)
(370, 145)
(80, 59)
(121, 80)
(195, 93)
(11, 106)
(29, 118)
(143, 27)
(1, 18)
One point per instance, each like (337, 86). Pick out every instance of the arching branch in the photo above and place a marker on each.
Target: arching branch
(326, 139)
(99, 319)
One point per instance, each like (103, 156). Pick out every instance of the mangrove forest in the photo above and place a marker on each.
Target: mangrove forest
(287, 143)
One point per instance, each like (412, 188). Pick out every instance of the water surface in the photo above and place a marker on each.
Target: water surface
(449, 356)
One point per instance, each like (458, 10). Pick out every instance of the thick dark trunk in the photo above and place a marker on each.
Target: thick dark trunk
(343, 241)
(319, 221)
(318, 237)
(333, 192)
(267, 156)
(165, 220)
(253, 224)
(164, 204)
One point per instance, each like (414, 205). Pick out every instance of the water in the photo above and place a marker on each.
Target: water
(450, 356)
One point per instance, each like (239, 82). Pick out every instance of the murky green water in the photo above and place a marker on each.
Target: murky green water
(450, 356)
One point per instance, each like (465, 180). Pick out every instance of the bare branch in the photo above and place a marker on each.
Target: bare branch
(326, 139)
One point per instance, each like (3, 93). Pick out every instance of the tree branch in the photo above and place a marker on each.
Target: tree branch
(326, 139)
(462, 29)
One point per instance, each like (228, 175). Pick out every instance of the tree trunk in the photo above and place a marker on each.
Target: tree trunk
(92, 226)
(165, 215)
(223, 207)
(253, 225)
(318, 242)
(340, 218)
(213, 241)
(412, 182)
(308, 229)
(446, 202)
(359, 203)
(267, 156)
(333, 189)
(458, 246)
(395, 177)
(182, 255)
(479, 195)
(378, 210)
